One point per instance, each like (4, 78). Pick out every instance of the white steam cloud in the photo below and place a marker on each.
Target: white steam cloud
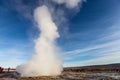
(45, 61)
(69, 3)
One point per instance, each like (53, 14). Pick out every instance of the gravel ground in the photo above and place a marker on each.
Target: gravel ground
(63, 76)
(71, 76)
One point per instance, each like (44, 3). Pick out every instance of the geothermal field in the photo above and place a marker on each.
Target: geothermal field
(100, 72)
(40, 37)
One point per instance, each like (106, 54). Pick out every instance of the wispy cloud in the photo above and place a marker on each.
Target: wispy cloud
(11, 57)
(115, 58)
(104, 50)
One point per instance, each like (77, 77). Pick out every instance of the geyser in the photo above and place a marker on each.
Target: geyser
(45, 61)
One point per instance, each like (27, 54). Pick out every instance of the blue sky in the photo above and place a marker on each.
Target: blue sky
(89, 37)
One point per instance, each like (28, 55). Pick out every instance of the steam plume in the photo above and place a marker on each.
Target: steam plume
(69, 3)
(45, 61)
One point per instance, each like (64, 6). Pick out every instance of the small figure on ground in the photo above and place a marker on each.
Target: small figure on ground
(1, 69)
(8, 69)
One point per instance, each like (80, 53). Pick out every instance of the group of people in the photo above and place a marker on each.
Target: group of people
(1, 69)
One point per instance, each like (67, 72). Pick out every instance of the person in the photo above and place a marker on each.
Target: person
(1, 69)
(9, 69)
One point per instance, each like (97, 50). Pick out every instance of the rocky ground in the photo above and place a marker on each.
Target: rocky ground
(63, 76)
(72, 76)
(98, 72)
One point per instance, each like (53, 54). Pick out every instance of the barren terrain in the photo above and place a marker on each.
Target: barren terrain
(104, 72)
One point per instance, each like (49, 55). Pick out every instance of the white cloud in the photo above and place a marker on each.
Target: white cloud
(69, 3)
(94, 47)
(115, 58)
(105, 53)
(11, 57)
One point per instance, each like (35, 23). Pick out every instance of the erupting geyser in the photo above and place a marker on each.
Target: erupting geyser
(45, 61)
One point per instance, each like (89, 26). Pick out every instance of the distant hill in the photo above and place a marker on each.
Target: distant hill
(96, 68)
